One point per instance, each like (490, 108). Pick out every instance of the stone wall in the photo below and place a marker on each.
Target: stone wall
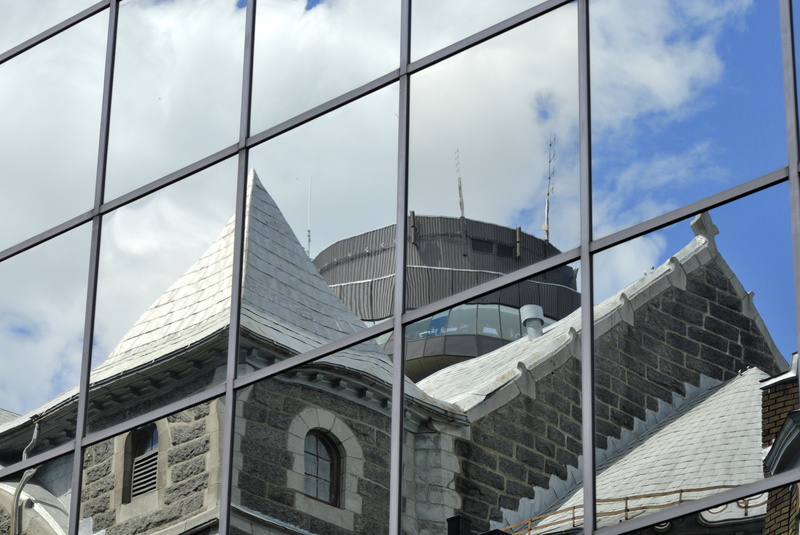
(188, 466)
(677, 336)
(680, 335)
(519, 446)
(263, 465)
(431, 470)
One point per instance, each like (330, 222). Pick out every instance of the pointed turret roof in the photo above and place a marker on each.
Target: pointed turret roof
(285, 303)
(284, 299)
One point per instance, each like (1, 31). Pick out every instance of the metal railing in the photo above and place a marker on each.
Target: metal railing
(573, 516)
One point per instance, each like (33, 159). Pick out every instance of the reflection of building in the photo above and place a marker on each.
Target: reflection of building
(445, 256)
(680, 355)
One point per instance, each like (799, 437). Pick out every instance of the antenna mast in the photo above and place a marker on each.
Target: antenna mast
(308, 249)
(460, 192)
(551, 171)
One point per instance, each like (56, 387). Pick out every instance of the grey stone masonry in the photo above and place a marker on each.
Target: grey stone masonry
(520, 446)
(188, 453)
(674, 339)
(682, 332)
(264, 465)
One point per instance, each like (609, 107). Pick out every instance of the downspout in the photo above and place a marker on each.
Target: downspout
(16, 508)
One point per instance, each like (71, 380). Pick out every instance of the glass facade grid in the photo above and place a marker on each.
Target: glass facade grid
(227, 268)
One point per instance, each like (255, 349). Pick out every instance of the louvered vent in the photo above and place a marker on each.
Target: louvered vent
(145, 473)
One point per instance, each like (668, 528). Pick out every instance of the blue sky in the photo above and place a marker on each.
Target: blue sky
(687, 102)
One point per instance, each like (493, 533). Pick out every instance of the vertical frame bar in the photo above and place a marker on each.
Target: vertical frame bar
(401, 232)
(587, 272)
(792, 139)
(226, 461)
(94, 262)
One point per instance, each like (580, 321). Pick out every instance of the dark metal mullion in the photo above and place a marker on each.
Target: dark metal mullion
(322, 109)
(53, 31)
(790, 99)
(702, 504)
(94, 261)
(488, 33)
(401, 232)
(792, 139)
(587, 271)
(152, 416)
(703, 205)
(503, 281)
(39, 458)
(312, 355)
(226, 461)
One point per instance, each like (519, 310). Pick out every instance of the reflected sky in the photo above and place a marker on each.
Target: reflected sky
(687, 102)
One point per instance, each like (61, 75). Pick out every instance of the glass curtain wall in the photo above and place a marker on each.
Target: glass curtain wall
(228, 225)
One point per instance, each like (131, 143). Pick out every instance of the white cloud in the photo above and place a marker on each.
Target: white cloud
(177, 100)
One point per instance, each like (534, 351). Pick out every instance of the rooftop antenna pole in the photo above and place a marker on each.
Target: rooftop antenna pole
(308, 249)
(551, 171)
(460, 192)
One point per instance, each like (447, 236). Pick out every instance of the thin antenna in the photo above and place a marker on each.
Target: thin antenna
(551, 172)
(460, 192)
(308, 249)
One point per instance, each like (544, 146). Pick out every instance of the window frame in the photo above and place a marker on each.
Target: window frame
(335, 482)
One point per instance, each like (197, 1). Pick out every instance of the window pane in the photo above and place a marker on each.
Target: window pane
(179, 476)
(691, 357)
(437, 23)
(177, 87)
(50, 99)
(485, 150)
(347, 396)
(317, 269)
(164, 296)
(43, 497)
(489, 320)
(687, 101)
(305, 56)
(23, 20)
(42, 313)
(521, 441)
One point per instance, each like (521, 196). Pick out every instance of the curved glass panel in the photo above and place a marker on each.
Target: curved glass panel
(51, 98)
(693, 385)
(41, 341)
(177, 87)
(164, 287)
(493, 161)
(307, 55)
(23, 20)
(687, 101)
(344, 400)
(436, 24)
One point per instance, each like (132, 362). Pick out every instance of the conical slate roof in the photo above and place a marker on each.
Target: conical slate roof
(284, 299)
(285, 303)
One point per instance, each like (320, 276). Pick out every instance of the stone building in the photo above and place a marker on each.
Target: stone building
(680, 359)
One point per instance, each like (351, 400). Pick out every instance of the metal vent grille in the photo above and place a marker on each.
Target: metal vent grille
(144, 474)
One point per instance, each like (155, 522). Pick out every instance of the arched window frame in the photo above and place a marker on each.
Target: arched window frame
(312, 475)
(352, 467)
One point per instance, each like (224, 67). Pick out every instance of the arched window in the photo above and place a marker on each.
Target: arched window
(141, 462)
(322, 467)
